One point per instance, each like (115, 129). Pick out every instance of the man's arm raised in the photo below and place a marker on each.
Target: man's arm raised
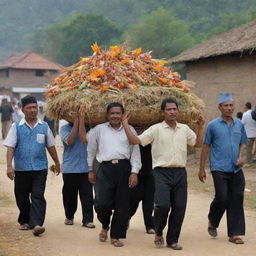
(132, 138)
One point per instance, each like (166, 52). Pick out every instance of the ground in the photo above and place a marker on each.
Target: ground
(61, 240)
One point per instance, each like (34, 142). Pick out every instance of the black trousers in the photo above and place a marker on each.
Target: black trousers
(29, 187)
(75, 183)
(229, 197)
(112, 193)
(170, 192)
(144, 192)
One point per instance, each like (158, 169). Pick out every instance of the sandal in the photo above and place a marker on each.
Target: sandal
(159, 241)
(68, 221)
(103, 235)
(88, 225)
(150, 231)
(176, 246)
(117, 243)
(24, 226)
(236, 240)
(212, 231)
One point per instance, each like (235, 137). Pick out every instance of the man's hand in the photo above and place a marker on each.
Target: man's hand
(92, 177)
(10, 173)
(202, 175)
(57, 170)
(126, 117)
(240, 162)
(133, 180)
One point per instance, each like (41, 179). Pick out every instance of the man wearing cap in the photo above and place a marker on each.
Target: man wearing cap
(225, 140)
(26, 143)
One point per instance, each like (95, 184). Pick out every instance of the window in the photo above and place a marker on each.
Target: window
(40, 72)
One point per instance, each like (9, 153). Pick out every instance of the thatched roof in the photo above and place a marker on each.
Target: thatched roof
(29, 60)
(237, 40)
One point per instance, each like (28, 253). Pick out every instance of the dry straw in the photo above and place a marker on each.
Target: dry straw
(143, 104)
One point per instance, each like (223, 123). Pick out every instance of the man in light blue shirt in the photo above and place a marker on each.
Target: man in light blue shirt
(225, 139)
(75, 172)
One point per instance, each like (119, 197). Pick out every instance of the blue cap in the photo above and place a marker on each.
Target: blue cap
(224, 97)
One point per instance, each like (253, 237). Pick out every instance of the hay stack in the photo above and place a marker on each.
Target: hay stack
(133, 79)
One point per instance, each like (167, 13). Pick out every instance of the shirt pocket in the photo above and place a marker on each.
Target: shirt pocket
(40, 138)
(236, 136)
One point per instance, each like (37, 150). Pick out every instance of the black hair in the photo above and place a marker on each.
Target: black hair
(115, 104)
(239, 115)
(28, 100)
(248, 105)
(168, 100)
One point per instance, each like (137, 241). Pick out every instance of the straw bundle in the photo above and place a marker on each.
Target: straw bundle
(133, 79)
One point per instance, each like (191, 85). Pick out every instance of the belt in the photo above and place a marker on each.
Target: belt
(114, 161)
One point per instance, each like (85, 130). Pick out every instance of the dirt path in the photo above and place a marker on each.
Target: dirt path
(61, 240)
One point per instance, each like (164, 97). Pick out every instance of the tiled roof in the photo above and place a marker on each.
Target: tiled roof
(29, 60)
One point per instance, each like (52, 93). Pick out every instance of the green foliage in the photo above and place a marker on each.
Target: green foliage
(162, 33)
(21, 20)
(67, 42)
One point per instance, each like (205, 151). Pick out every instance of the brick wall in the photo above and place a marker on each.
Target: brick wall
(233, 74)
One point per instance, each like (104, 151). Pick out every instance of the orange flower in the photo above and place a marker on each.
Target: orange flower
(126, 61)
(185, 89)
(97, 73)
(96, 48)
(136, 52)
(65, 79)
(157, 67)
(116, 49)
(104, 88)
(163, 80)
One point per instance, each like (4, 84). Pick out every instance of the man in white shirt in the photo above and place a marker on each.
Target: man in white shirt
(119, 164)
(250, 128)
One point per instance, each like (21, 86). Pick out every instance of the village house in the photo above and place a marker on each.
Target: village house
(26, 73)
(225, 63)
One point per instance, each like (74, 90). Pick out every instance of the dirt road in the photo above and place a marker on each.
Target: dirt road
(61, 240)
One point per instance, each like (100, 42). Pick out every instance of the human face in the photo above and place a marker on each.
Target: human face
(170, 112)
(114, 116)
(227, 108)
(30, 111)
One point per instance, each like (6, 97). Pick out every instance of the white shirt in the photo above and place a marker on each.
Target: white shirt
(169, 146)
(249, 124)
(108, 144)
(11, 139)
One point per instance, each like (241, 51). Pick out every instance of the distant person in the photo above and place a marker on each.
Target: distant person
(17, 115)
(26, 142)
(51, 123)
(225, 140)
(75, 172)
(250, 128)
(6, 111)
(239, 115)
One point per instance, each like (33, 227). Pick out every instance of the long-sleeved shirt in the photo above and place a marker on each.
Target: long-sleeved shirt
(108, 144)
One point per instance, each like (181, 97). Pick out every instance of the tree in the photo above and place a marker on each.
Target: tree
(162, 33)
(67, 42)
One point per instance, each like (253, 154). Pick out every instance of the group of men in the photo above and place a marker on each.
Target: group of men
(114, 145)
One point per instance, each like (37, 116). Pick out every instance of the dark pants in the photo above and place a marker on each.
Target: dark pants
(229, 196)
(170, 192)
(75, 183)
(144, 192)
(112, 193)
(29, 187)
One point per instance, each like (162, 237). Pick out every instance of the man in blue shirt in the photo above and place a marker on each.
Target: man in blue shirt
(225, 139)
(26, 142)
(75, 172)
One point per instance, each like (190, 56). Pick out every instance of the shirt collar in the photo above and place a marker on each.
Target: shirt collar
(23, 121)
(119, 129)
(165, 125)
(223, 121)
